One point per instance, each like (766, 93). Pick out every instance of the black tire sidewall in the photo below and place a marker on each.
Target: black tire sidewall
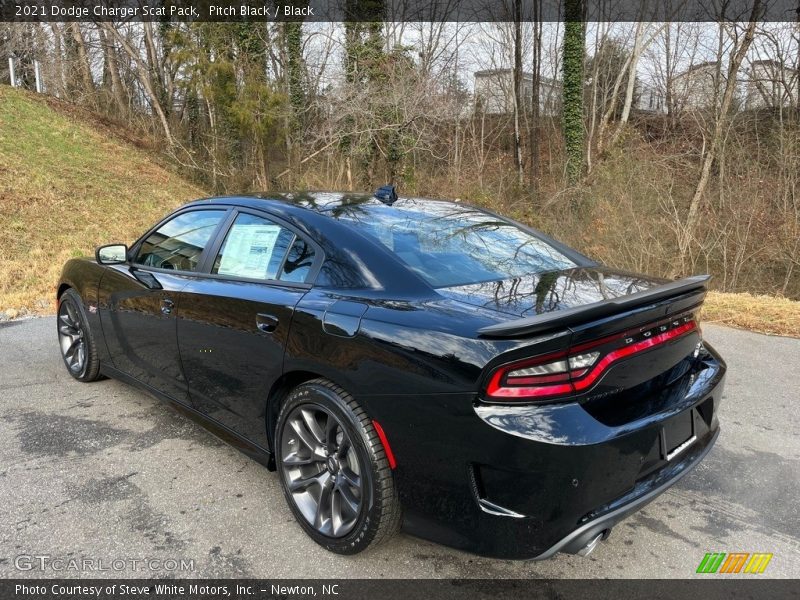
(366, 527)
(86, 373)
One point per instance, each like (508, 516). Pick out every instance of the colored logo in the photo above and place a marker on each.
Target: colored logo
(734, 562)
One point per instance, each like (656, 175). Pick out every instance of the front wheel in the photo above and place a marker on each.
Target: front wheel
(334, 470)
(78, 348)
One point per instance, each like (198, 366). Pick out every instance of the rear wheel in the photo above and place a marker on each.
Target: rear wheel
(78, 348)
(334, 470)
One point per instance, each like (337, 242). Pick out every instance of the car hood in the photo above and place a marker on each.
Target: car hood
(541, 293)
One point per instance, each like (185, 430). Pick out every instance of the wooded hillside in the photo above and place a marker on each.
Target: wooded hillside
(687, 137)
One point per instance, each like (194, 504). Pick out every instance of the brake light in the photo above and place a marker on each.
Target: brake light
(559, 374)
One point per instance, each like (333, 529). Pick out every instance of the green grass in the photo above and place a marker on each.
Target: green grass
(69, 181)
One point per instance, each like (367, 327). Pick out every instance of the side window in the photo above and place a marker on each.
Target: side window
(179, 243)
(298, 262)
(254, 248)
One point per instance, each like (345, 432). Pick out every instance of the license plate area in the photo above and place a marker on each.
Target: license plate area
(677, 434)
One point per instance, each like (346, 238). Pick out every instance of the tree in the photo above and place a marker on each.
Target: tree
(295, 86)
(111, 83)
(84, 85)
(608, 69)
(536, 74)
(365, 67)
(518, 88)
(573, 57)
(741, 44)
(144, 75)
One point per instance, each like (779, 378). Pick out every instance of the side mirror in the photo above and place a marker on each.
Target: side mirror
(112, 254)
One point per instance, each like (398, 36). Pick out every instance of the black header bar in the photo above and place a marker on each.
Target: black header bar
(392, 10)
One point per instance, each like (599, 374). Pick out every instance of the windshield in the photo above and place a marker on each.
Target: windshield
(449, 244)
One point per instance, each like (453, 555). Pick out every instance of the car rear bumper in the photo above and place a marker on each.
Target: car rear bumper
(578, 539)
(528, 481)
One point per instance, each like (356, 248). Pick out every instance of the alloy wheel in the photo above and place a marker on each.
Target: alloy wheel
(71, 337)
(321, 470)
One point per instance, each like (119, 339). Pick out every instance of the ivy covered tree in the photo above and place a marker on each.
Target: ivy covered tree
(574, 52)
(365, 61)
(293, 36)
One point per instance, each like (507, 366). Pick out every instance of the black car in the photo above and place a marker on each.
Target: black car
(408, 362)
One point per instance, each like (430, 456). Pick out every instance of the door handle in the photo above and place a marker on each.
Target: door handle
(166, 306)
(266, 323)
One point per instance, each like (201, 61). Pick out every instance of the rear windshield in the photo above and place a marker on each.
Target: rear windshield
(450, 245)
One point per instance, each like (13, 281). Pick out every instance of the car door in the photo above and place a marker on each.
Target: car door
(234, 319)
(139, 300)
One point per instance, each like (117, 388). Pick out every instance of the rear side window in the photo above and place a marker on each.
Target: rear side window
(257, 248)
(179, 243)
(298, 262)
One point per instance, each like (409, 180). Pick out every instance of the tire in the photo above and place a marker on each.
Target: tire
(347, 450)
(76, 340)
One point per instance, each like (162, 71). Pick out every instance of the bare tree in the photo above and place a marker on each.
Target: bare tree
(144, 75)
(741, 42)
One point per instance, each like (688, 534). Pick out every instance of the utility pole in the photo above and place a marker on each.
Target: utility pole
(11, 71)
(38, 73)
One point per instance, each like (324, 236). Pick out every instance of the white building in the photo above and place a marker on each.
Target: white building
(695, 88)
(770, 84)
(494, 93)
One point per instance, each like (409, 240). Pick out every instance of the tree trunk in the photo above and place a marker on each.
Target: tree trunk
(143, 75)
(594, 76)
(84, 69)
(574, 50)
(685, 238)
(626, 107)
(535, 93)
(156, 75)
(517, 88)
(58, 53)
(668, 86)
(111, 73)
(293, 38)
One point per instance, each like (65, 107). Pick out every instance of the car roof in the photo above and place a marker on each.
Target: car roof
(321, 202)
(315, 212)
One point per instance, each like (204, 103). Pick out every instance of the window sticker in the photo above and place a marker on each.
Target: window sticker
(248, 250)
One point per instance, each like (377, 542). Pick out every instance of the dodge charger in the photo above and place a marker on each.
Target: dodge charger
(408, 363)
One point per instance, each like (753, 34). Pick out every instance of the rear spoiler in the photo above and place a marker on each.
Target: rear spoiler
(596, 310)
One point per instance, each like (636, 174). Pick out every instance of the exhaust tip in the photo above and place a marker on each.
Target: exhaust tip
(589, 548)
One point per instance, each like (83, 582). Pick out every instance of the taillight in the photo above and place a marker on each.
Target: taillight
(560, 374)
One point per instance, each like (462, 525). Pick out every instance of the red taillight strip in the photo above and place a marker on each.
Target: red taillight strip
(621, 353)
(529, 392)
(538, 379)
(495, 389)
(385, 442)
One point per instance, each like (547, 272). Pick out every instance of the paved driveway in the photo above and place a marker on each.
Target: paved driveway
(105, 472)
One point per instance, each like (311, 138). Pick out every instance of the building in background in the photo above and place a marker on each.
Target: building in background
(770, 84)
(494, 93)
(696, 87)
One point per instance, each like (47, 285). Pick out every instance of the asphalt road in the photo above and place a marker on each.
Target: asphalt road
(107, 473)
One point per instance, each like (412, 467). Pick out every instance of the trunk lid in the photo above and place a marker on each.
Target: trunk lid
(623, 330)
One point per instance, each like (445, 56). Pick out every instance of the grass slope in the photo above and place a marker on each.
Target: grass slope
(68, 182)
